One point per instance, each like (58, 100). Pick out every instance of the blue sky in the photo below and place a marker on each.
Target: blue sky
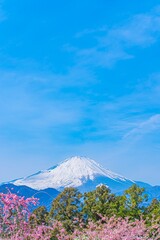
(80, 78)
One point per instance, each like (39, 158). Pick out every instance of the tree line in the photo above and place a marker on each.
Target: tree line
(73, 208)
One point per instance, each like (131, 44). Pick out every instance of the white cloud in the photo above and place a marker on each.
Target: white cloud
(140, 30)
(145, 127)
(31, 101)
(114, 44)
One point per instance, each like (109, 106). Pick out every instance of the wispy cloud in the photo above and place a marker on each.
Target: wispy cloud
(112, 45)
(140, 30)
(89, 31)
(148, 126)
(36, 101)
(123, 116)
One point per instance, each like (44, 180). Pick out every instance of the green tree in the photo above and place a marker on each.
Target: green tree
(99, 202)
(39, 216)
(118, 206)
(135, 199)
(66, 207)
(152, 212)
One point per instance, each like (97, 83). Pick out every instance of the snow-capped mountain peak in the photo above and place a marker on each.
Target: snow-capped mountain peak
(83, 167)
(73, 172)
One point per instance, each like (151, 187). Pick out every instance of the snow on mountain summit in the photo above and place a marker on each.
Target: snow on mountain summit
(73, 172)
(87, 168)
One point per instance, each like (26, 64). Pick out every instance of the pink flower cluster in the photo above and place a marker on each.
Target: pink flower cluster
(15, 225)
(119, 229)
(14, 218)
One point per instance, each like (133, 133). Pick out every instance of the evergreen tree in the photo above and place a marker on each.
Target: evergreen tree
(39, 216)
(152, 212)
(66, 207)
(98, 203)
(118, 206)
(135, 199)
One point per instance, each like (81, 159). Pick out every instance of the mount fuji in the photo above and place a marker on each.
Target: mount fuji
(80, 172)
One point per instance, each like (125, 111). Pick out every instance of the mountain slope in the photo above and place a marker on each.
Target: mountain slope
(80, 172)
(45, 197)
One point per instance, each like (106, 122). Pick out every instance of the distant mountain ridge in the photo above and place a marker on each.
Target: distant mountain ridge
(81, 172)
(45, 197)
